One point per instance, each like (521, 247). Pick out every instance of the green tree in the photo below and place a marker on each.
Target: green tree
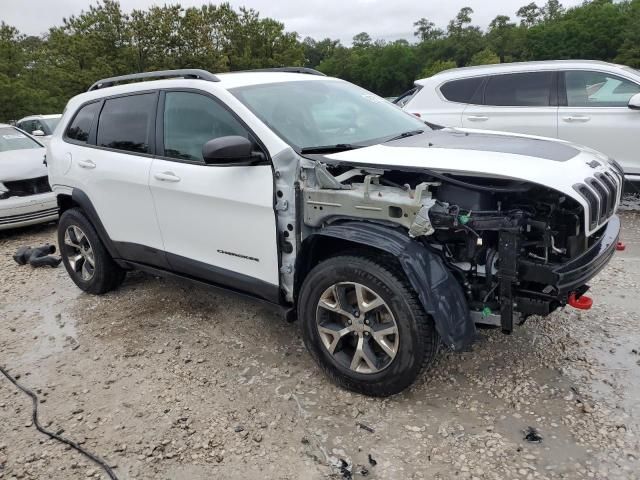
(484, 57)
(40, 73)
(501, 36)
(426, 30)
(629, 51)
(316, 51)
(437, 67)
(464, 40)
(362, 40)
(529, 15)
(552, 10)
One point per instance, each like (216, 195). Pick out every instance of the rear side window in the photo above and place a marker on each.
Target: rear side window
(28, 126)
(81, 126)
(191, 120)
(598, 89)
(519, 90)
(125, 123)
(466, 90)
(406, 97)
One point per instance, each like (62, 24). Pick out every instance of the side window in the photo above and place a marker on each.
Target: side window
(28, 126)
(191, 120)
(125, 123)
(598, 89)
(406, 97)
(519, 90)
(81, 125)
(466, 90)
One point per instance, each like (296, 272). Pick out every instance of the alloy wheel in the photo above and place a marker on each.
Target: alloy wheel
(357, 327)
(79, 252)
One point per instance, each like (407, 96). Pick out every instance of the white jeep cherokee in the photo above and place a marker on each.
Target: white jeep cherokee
(383, 236)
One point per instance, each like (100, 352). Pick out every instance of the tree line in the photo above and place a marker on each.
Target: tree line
(38, 74)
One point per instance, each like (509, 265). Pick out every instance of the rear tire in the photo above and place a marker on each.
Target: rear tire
(84, 256)
(364, 325)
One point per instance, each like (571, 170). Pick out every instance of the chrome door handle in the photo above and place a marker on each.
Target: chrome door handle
(86, 164)
(576, 118)
(477, 118)
(166, 177)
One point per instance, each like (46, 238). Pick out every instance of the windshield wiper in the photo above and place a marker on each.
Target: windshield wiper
(410, 133)
(340, 147)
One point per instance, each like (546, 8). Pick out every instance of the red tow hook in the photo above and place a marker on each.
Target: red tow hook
(621, 247)
(581, 303)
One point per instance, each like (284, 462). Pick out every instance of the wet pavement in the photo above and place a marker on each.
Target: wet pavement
(168, 381)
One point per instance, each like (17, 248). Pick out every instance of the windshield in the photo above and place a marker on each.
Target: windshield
(308, 114)
(13, 139)
(51, 123)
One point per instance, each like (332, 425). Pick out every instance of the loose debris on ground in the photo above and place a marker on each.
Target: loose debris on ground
(167, 381)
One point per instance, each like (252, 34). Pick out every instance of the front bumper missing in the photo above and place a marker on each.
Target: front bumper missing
(534, 288)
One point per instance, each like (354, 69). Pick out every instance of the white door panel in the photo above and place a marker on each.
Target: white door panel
(541, 121)
(118, 186)
(596, 115)
(612, 131)
(219, 216)
(445, 117)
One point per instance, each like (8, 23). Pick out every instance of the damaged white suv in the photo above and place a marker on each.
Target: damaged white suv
(385, 238)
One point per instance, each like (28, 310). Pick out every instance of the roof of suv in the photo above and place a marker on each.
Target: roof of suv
(522, 66)
(242, 79)
(225, 80)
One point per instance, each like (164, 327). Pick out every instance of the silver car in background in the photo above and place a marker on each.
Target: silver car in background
(25, 194)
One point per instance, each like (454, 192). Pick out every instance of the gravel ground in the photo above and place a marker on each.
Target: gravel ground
(168, 381)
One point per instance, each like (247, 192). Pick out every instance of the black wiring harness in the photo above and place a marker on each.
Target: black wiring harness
(41, 429)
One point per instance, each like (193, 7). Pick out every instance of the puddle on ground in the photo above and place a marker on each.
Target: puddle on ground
(55, 331)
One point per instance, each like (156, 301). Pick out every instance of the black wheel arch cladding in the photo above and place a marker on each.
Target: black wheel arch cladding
(81, 199)
(439, 292)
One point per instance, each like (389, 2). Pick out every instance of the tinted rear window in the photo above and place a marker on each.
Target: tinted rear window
(125, 123)
(519, 90)
(81, 126)
(466, 90)
(406, 97)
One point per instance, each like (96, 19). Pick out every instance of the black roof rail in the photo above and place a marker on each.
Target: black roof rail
(183, 73)
(308, 71)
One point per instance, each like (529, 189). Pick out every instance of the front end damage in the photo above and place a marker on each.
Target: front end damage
(475, 249)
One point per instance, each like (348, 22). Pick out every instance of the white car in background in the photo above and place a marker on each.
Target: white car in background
(25, 195)
(41, 126)
(592, 103)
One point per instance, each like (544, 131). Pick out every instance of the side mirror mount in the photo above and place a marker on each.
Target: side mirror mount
(231, 150)
(37, 133)
(634, 102)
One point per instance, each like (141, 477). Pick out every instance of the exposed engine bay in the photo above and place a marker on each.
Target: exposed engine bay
(507, 242)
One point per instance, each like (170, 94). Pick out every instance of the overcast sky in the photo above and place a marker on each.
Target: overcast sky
(386, 19)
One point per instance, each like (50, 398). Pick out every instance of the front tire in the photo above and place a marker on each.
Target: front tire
(365, 326)
(86, 259)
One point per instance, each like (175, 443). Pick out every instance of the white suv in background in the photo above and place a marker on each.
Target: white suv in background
(592, 103)
(41, 126)
(318, 197)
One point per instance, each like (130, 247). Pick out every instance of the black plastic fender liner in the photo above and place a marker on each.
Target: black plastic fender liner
(81, 199)
(439, 292)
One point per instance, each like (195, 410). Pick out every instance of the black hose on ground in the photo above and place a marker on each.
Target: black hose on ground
(34, 417)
